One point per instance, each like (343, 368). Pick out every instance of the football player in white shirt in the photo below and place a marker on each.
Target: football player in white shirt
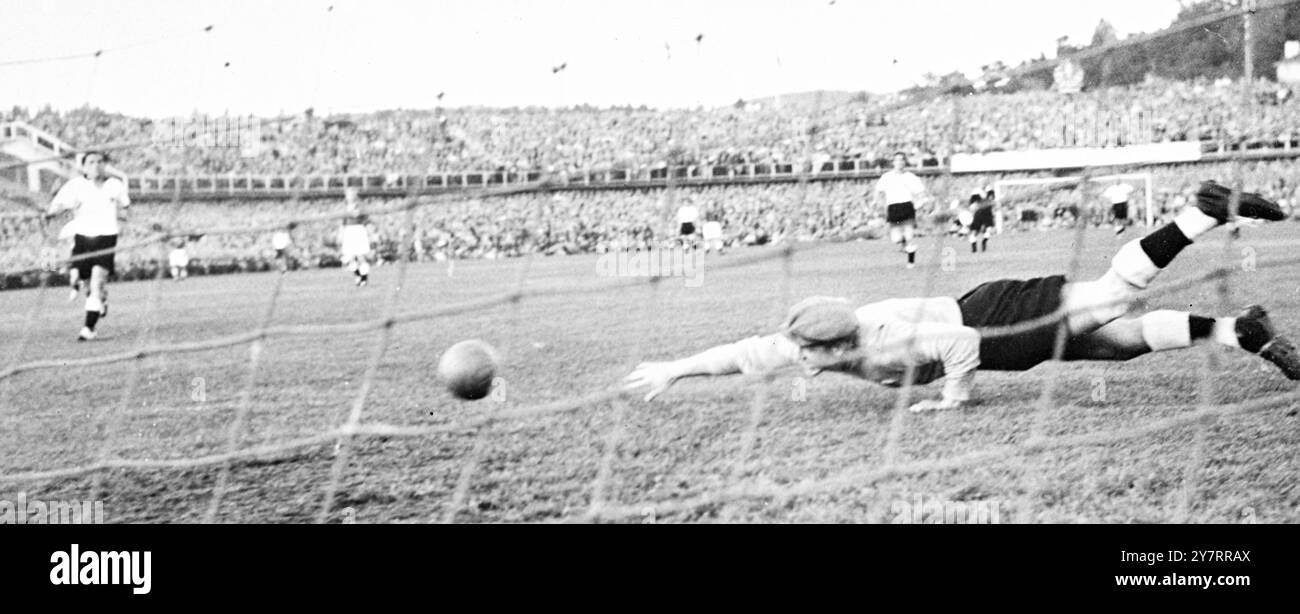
(1118, 196)
(354, 240)
(179, 258)
(938, 337)
(98, 202)
(713, 229)
(901, 190)
(281, 240)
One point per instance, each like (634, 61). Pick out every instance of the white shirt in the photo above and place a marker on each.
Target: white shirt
(926, 333)
(1118, 193)
(95, 206)
(900, 187)
(280, 239)
(688, 214)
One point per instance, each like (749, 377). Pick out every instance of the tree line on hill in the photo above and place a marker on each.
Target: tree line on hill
(1215, 50)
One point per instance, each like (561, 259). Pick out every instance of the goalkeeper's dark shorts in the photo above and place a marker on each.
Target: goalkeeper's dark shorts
(82, 244)
(1006, 302)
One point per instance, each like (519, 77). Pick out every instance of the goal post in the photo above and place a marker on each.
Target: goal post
(1144, 180)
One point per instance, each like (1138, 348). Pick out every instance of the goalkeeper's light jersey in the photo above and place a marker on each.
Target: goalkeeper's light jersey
(926, 333)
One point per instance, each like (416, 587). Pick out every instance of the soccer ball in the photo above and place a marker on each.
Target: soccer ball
(468, 368)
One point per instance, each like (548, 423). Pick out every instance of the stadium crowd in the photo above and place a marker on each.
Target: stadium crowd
(797, 133)
(578, 139)
(597, 221)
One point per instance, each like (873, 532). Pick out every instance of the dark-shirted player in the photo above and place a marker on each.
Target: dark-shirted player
(688, 216)
(982, 222)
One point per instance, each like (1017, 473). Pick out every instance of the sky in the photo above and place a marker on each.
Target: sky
(340, 56)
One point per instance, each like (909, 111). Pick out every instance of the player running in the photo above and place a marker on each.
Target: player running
(1118, 195)
(938, 337)
(98, 202)
(354, 240)
(901, 191)
(981, 223)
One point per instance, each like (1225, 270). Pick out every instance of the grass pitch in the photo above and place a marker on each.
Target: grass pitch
(699, 438)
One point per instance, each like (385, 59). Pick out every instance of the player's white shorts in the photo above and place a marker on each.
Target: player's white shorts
(712, 231)
(179, 258)
(356, 242)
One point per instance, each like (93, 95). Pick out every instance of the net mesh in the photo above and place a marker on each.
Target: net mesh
(743, 483)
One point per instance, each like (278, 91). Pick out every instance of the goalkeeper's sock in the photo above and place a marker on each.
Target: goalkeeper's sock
(1165, 243)
(1169, 330)
(1219, 330)
(1225, 332)
(1201, 327)
(1138, 262)
(1193, 222)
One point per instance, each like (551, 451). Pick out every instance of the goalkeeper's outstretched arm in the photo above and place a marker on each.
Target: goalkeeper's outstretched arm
(750, 355)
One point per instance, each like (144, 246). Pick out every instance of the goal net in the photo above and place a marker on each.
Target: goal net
(1087, 193)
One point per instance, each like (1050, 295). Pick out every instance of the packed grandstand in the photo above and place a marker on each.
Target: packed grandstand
(799, 135)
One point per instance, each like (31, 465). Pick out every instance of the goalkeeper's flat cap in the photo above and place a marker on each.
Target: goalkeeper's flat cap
(820, 319)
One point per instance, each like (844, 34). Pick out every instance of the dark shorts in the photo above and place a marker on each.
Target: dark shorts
(983, 219)
(84, 245)
(900, 213)
(687, 229)
(1011, 301)
(279, 253)
(1119, 211)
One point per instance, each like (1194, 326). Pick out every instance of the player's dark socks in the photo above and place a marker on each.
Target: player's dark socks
(1201, 327)
(984, 245)
(972, 248)
(911, 257)
(92, 318)
(1163, 244)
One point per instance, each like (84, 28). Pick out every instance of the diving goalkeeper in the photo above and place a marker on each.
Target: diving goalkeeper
(937, 336)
